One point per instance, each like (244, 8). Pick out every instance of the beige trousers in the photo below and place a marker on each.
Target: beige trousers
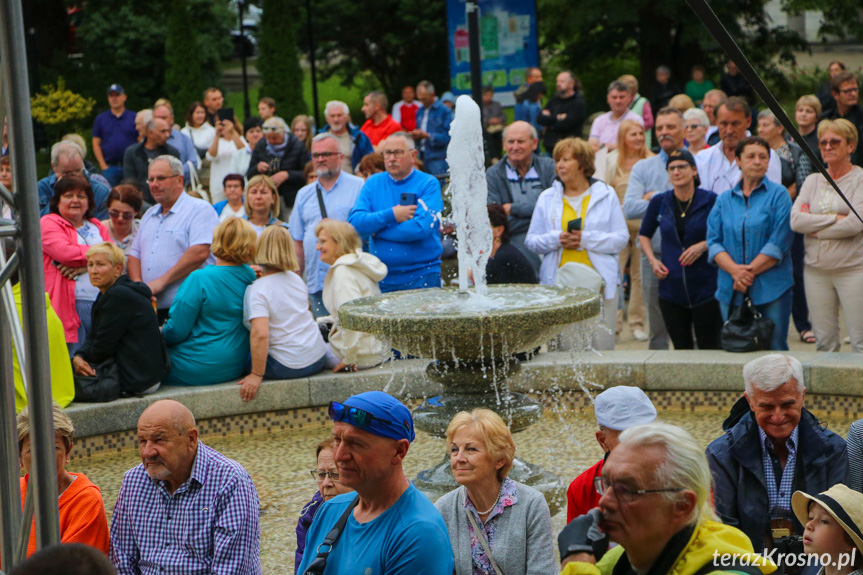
(826, 290)
(636, 314)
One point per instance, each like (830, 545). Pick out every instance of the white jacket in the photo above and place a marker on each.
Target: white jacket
(604, 233)
(351, 277)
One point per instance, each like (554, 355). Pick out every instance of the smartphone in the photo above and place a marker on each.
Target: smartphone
(408, 199)
(225, 114)
(574, 225)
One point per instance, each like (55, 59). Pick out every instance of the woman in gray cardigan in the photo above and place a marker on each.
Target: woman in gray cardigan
(496, 525)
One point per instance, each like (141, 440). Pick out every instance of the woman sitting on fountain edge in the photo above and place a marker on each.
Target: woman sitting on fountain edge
(495, 524)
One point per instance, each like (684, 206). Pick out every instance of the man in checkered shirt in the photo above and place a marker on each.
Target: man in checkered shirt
(186, 509)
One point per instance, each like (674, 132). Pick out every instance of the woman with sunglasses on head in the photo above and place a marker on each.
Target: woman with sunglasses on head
(833, 239)
(124, 213)
(327, 476)
(495, 524)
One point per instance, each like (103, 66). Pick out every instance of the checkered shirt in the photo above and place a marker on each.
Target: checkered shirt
(779, 496)
(211, 524)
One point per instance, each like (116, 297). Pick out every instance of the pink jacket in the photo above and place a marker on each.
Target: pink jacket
(60, 244)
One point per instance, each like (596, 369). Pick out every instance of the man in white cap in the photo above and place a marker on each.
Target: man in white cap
(616, 409)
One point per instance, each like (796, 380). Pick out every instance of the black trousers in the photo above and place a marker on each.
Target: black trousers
(705, 320)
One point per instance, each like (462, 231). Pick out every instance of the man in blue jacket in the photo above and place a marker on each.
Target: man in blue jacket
(773, 449)
(67, 160)
(354, 143)
(432, 131)
(400, 210)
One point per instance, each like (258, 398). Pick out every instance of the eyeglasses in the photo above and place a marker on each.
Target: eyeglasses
(270, 129)
(320, 475)
(118, 214)
(354, 415)
(849, 91)
(160, 179)
(396, 153)
(623, 493)
(324, 155)
(829, 143)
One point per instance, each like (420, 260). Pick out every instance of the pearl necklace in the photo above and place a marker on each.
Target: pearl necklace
(493, 505)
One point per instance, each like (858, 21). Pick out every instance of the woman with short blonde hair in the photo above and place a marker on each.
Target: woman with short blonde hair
(343, 234)
(495, 524)
(286, 342)
(206, 338)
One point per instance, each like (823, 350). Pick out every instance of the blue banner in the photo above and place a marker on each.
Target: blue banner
(508, 45)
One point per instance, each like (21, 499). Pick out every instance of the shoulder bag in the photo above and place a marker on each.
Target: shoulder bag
(195, 188)
(99, 388)
(319, 563)
(746, 329)
(480, 534)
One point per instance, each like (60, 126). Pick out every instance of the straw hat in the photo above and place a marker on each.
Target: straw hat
(843, 503)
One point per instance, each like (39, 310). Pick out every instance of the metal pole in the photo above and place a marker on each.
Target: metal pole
(315, 117)
(10, 492)
(241, 4)
(472, 9)
(15, 92)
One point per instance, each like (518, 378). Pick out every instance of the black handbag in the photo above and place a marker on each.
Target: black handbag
(746, 329)
(103, 387)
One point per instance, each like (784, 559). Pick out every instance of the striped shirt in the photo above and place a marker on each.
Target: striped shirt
(780, 483)
(210, 524)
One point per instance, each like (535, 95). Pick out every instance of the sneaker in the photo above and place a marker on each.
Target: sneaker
(639, 334)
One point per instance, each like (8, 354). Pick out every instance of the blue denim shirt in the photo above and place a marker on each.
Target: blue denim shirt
(764, 223)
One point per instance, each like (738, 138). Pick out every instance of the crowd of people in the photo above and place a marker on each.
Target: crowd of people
(774, 476)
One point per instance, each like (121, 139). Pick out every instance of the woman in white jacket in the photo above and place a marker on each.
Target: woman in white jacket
(353, 274)
(579, 219)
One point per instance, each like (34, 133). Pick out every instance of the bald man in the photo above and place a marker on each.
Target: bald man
(186, 508)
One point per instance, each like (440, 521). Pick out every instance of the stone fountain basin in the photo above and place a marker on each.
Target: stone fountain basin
(439, 324)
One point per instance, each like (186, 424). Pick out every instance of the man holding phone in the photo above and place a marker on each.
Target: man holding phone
(400, 210)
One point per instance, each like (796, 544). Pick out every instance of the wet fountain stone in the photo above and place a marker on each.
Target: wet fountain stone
(472, 340)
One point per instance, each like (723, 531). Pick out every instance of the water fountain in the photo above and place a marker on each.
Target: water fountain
(473, 334)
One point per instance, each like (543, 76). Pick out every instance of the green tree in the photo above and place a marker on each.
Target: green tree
(278, 58)
(184, 82)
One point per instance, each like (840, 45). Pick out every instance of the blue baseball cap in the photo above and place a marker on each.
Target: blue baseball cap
(116, 88)
(376, 412)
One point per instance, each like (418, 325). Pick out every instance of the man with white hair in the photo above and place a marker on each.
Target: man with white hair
(773, 449)
(137, 159)
(655, 504)
(331, 196)
(354, 143)
(67, 160)
(282, 156)
(617, 409)
(432, 132)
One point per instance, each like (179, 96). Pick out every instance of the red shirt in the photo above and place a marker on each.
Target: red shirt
(377, 132)
(581, 496)
(409, 115)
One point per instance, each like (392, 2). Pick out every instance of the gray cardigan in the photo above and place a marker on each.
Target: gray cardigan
(523, 545)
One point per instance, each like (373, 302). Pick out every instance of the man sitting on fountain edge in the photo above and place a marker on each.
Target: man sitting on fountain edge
(399, 209)
(391, 526)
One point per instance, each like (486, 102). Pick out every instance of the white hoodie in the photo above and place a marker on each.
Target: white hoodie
(351, 277)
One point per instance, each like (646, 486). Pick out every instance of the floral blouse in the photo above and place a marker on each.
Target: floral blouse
(481, 562)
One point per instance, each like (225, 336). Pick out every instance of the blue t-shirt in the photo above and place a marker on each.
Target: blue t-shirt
(409, 538)
(117, 134)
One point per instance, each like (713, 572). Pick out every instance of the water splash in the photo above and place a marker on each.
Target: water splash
(469, 192)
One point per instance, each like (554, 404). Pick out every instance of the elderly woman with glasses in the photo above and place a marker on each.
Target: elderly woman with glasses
(281, 156)
(326, 474)
(696, 124)
(495, 524)
(833, 260)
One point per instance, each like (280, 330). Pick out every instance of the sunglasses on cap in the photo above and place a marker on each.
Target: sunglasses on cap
(356, 416)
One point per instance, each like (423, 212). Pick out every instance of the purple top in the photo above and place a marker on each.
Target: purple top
(116, 134)
(481, 561)
(305, 521)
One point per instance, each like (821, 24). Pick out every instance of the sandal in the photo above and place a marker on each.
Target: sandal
(807, 336)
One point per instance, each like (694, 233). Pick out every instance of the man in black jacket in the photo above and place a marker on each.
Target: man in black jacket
(125, 328)
(846, 92)
(282, 156)
(136, 160)
(564, 114)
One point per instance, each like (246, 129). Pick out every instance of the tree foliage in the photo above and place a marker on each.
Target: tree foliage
(278, 58)
(399, 42)
(183, 78)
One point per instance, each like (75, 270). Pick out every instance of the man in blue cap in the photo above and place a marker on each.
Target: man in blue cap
(391, 527)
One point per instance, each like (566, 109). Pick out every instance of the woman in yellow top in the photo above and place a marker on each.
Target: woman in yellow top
(631, 147)
(579, 219)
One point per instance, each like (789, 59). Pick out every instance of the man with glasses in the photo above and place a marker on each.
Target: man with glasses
(717, 165)
(772, 446)
(174, 236)
(400, 210)
(391, 526)
(846, 92)
(655, 503)
(332, 196)
(137, 159)
(68, 160)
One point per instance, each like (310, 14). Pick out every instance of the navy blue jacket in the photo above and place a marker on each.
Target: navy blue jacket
(695, 284)
(740, 490)
(361, 144)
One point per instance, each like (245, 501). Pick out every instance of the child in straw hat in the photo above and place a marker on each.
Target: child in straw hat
(832, 528)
